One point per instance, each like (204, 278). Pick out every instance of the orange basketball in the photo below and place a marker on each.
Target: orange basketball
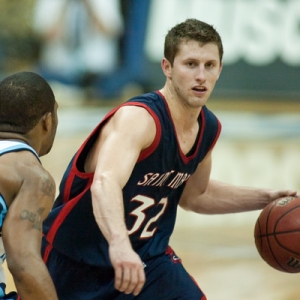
(277, 234)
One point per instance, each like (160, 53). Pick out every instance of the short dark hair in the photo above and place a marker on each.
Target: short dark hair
(24, 98)
(191, 29)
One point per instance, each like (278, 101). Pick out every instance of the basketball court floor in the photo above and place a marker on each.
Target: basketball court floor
(255, 149)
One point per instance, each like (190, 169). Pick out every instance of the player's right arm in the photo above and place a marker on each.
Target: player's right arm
(124, 136)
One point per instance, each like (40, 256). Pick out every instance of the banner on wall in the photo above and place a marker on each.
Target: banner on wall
(261, 41)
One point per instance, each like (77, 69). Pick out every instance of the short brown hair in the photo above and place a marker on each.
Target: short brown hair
(191, 29)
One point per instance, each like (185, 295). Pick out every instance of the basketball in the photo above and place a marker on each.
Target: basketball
(277, 234)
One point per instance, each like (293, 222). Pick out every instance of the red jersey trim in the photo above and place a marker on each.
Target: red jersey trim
(47, 253)
(74, 165)
(148, 151)
(144, 153)
(217, 135)
(63, 214)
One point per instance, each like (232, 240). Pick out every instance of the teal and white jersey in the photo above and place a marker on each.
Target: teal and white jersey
(7, 147)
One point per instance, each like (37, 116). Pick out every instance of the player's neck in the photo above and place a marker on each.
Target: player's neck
(182, 114)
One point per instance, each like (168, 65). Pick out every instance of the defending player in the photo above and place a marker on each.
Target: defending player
(107, 236)
(28, 121)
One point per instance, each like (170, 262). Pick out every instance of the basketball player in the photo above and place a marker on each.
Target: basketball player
(107, 236)
(28, 121)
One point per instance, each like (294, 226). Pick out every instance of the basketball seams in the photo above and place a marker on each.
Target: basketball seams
(272, 234)
(285, 232)
(282, 216)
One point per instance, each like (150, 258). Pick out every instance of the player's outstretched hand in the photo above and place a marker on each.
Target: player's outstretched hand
(129, 269)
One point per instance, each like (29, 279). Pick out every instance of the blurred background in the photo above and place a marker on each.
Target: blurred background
(98, 53)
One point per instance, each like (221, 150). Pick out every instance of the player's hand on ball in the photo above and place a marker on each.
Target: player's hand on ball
(283, 193)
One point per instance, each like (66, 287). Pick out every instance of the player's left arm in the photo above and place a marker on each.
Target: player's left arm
(22, 233)
(204, 195)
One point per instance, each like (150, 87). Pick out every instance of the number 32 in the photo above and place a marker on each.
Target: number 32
(139, 212)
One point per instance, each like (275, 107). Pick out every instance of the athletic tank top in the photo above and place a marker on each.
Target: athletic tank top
(7, 147)
(150, 196)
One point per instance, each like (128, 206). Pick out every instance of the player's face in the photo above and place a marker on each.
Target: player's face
(194, 73)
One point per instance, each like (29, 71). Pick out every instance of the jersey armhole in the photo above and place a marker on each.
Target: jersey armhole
(148, 151)
(144, 153)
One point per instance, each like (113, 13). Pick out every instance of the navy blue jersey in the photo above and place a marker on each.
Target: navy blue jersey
(150, 196)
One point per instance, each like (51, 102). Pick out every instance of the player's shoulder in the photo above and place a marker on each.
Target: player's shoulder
(146, 97)
(29, 164)
(35, 177)
(149, 104)
(21, 169)
(24, 163)
(132, 112)
(132, 122)
(138, 108)
(17, 155)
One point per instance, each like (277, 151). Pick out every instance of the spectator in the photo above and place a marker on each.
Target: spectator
(19, 46)
(80, 39)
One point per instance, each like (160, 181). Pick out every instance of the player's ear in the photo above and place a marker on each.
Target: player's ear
(47, 121)
(166, 67)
